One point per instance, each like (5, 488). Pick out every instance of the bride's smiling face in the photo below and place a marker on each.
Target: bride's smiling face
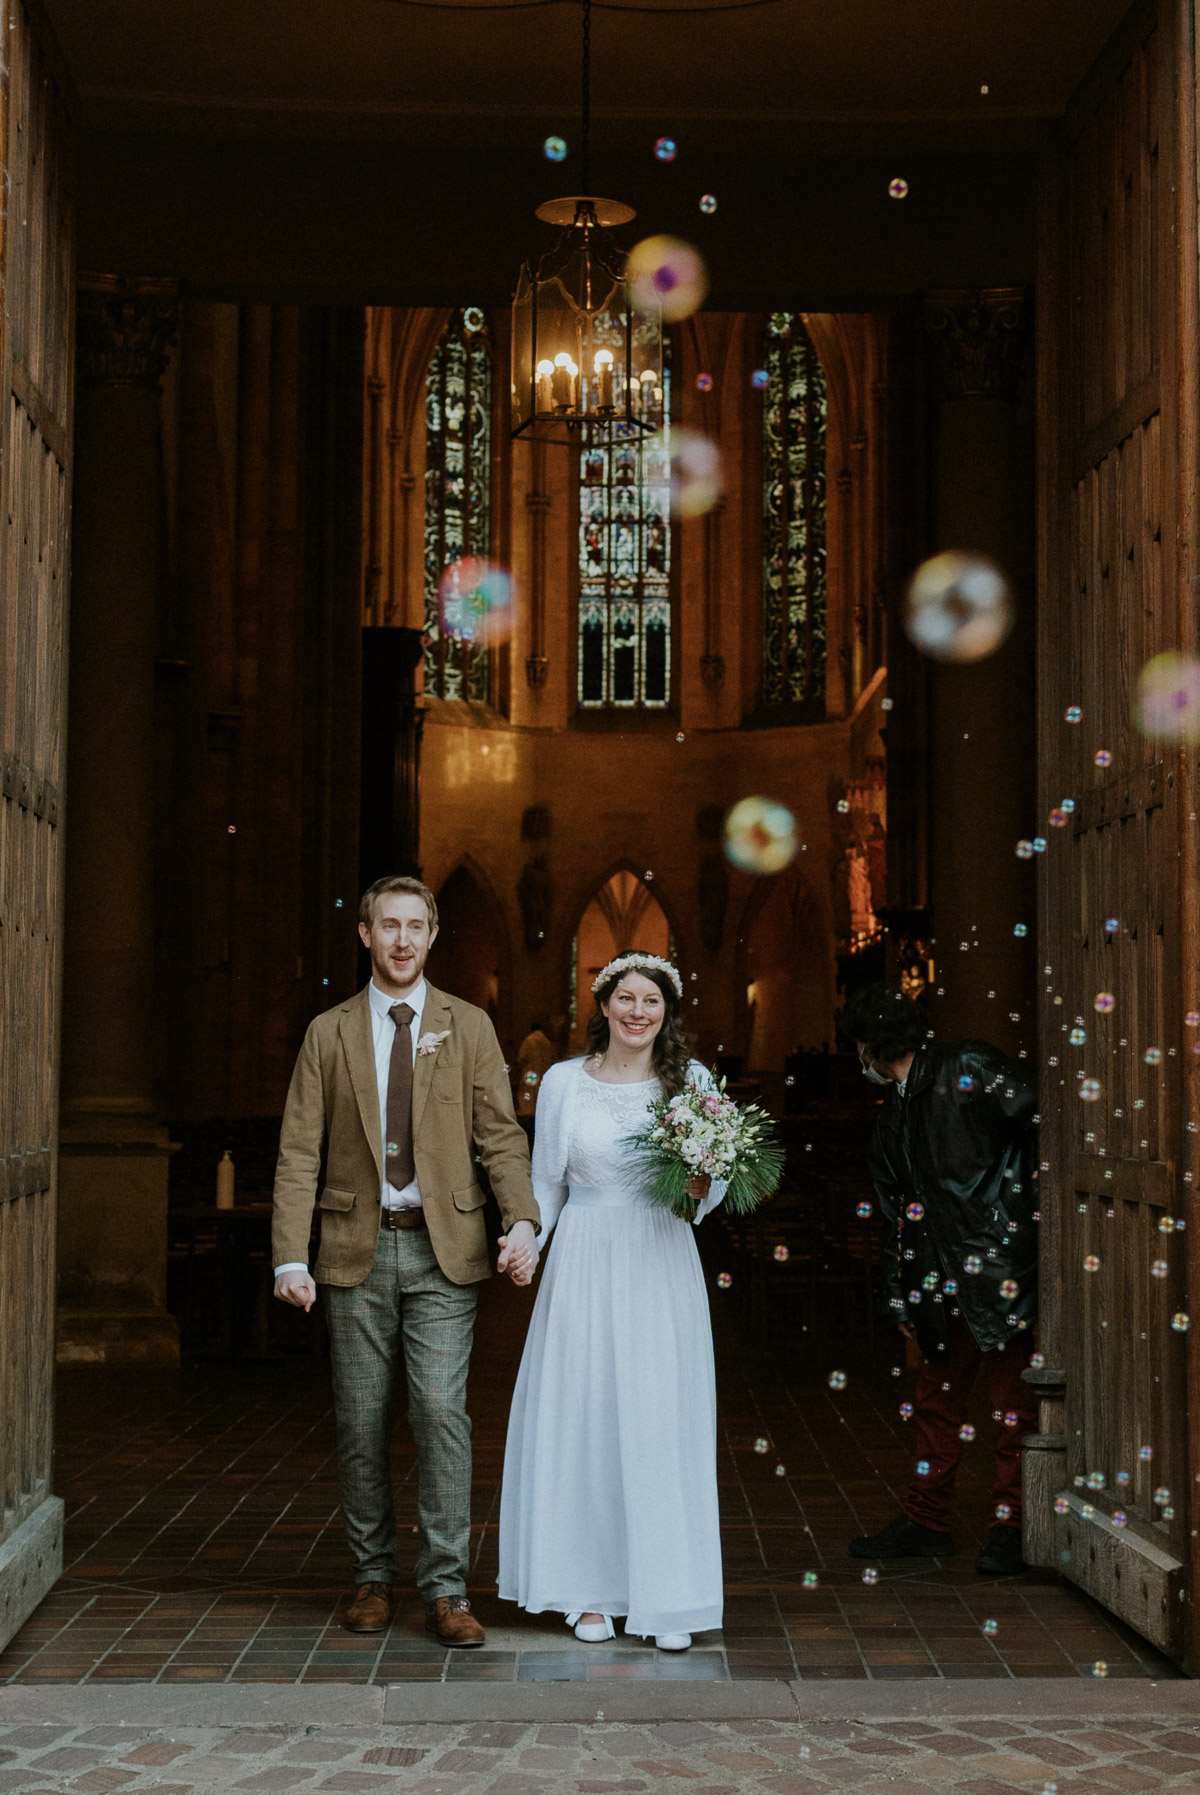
(635, 1011)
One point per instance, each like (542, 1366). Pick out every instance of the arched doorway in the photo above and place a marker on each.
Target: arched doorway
(468, 957)
(789, 976)
(624, 914)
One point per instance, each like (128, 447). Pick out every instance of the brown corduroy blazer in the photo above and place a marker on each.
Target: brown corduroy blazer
(330, 1142)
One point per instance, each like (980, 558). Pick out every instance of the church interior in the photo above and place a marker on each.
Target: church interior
(259, 268)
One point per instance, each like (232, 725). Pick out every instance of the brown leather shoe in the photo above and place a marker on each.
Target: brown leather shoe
(450, 1620)
(371, 1609)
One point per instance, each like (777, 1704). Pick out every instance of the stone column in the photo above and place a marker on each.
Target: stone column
(112, 1240)
(983, 720)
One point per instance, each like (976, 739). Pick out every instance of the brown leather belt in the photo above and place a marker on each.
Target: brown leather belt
(401, 1218)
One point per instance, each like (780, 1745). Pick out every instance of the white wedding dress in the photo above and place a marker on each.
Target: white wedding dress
(609, 1499)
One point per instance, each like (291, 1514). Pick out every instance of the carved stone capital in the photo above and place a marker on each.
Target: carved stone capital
(536, 668)
(978, 342)
(712, 670)
(125, 326)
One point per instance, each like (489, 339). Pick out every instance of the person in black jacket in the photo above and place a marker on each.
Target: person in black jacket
(952, 1162)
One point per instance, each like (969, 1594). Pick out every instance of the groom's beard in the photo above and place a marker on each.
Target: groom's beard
(406, 975)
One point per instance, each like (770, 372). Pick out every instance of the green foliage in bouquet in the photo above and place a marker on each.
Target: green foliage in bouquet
(704, 1130)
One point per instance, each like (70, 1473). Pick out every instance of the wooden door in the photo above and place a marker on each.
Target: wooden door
(1117, 370)
(36, 368)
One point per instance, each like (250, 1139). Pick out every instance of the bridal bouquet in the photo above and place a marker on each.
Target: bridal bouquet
(705, 1131)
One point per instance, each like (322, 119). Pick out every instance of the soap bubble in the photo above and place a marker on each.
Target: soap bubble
(991, 1628)
(1090, 1090)
(1159, 1269)
(1103, 758)
(870, 1575)
(837, 1380)
(531, 1077)
(476, 601)
(1020, 931)
(1039, 844)
(761, 1446)
(667, 274)
(965, 1082)
(915, 1211)
(906, 1411)
(863, 1210)
(1103, 1002)
(1162, 1497)
(1099, 1668)
(966, 1431)
(951, 1287)
(708, 202)
(1153, 1056)
(1166, 1224)
(898, 189)
(1037, 1361)
(1181, 1322)
(1192, 1019)
(760, 836)
(1167, 702)
(704, 383)
(759, 379)
(781, 1470)
(1059, 817)
(695, 464)
(1091, 1262)
(1061, 1505)
(1024, 850)
(782, 1254)
(664, 149)
(1145, 1453)
(1073, 713)
(1096, 1480)
(1008, 1289)
(1122, 1478)
(1003, 1511)
(1119, 1517)
(959, 607)
(810, 1579)
(723, 1280)
(972, 1263)
(555, 149)
(1077, 1036)
(922, 1467)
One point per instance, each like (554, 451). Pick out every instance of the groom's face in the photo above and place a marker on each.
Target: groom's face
(398, 940)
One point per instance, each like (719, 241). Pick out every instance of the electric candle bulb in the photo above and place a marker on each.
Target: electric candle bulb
(604, 378)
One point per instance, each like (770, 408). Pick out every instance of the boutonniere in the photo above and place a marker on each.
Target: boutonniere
(431, 1043)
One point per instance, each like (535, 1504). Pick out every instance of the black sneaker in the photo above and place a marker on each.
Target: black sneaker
(903, 1538)
(1001, 1557)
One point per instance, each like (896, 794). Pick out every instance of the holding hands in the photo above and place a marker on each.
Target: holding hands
(518, 1253)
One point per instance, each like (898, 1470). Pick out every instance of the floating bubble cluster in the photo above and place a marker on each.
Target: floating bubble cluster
(959, 607)
(666, 274)
(760, 836)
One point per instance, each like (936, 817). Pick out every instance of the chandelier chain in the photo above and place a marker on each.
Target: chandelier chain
(586, 94)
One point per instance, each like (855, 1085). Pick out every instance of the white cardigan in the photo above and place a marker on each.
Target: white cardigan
(551, 1141)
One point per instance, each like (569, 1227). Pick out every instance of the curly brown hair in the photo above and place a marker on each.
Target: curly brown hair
(672, 1047)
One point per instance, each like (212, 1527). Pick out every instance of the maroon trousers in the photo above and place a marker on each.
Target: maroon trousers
(942, 1399)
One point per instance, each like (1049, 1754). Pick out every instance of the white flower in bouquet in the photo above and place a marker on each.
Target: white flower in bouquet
(703, 1132)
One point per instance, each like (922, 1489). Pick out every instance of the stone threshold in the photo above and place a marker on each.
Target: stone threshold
(806, 1703)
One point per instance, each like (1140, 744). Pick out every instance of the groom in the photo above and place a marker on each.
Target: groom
(393, 1094)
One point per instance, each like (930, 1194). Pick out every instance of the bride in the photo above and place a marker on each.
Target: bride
(609, 1501)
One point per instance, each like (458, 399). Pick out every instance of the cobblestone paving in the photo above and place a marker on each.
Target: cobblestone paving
(976, 1757)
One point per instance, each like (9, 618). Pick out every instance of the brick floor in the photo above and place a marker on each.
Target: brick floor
(204, 1543)
(696, 1758)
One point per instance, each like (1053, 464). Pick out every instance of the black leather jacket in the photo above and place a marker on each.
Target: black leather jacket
(954, 1169)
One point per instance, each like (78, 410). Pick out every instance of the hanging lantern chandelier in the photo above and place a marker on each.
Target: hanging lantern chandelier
(586, 361)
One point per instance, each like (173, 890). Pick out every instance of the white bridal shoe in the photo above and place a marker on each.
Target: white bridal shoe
(594, 1632)
(672, 1642)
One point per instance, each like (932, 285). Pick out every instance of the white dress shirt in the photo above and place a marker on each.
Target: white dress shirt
(383, 1031)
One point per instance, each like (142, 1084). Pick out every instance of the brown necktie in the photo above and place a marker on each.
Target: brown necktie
(400, 1166)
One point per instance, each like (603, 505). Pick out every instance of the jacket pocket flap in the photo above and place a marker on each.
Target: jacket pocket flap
(336, 1199)
(470, 1198)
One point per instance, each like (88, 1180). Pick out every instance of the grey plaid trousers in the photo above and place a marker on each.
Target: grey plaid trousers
(406, 1316)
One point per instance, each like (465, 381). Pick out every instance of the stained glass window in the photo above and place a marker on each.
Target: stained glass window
(625, 565)
(793, 515)
(458, 402)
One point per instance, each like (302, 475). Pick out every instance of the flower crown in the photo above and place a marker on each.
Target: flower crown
(631, 963)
